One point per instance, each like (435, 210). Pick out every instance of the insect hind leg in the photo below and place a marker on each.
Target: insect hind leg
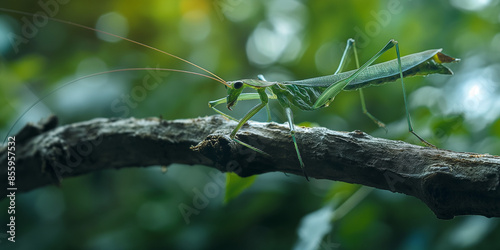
(351, 44)
(410, 127)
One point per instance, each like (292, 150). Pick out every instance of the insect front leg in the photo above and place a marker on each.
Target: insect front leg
(264, 100)
(242, 97)
(213, 104)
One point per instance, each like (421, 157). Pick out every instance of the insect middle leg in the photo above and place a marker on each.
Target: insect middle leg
(289, 116)
(351, 45)
(264, 100)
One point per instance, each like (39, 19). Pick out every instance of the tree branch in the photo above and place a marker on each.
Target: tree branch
(450, 183)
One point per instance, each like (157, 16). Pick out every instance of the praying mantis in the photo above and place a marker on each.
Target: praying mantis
(319, 92)
(313, 93)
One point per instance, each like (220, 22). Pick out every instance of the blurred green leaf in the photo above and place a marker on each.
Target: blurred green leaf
(309, 124)
(235, 185)
(340, 191)
(495, 128)
(313, 227)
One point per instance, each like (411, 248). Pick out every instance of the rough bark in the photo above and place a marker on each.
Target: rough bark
(450, 183)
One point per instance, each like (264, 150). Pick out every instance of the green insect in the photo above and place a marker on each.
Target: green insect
(319, 92)
(308, 94)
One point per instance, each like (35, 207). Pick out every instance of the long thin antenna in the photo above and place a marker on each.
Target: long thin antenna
(121, 37)
(96, 74)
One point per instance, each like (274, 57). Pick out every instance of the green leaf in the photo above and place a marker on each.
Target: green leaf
(309, 124)
(340, 192)
(313, 228)
(235, 185)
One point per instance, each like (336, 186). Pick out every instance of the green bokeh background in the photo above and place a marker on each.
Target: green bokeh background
(281, 39)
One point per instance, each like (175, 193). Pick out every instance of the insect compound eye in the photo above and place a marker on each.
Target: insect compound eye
(238, 85)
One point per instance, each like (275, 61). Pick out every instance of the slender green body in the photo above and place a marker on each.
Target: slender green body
(314, 93)
(423, 63)
(304, 93)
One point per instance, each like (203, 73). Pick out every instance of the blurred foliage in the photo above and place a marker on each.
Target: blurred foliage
(281, 39)
(235, 185)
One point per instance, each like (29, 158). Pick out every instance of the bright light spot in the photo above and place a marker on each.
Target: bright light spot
(265, 46)
(471, 5)
(426, 96)
(473, 92)
(113, 23)
(278, 38)
(477, 97)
